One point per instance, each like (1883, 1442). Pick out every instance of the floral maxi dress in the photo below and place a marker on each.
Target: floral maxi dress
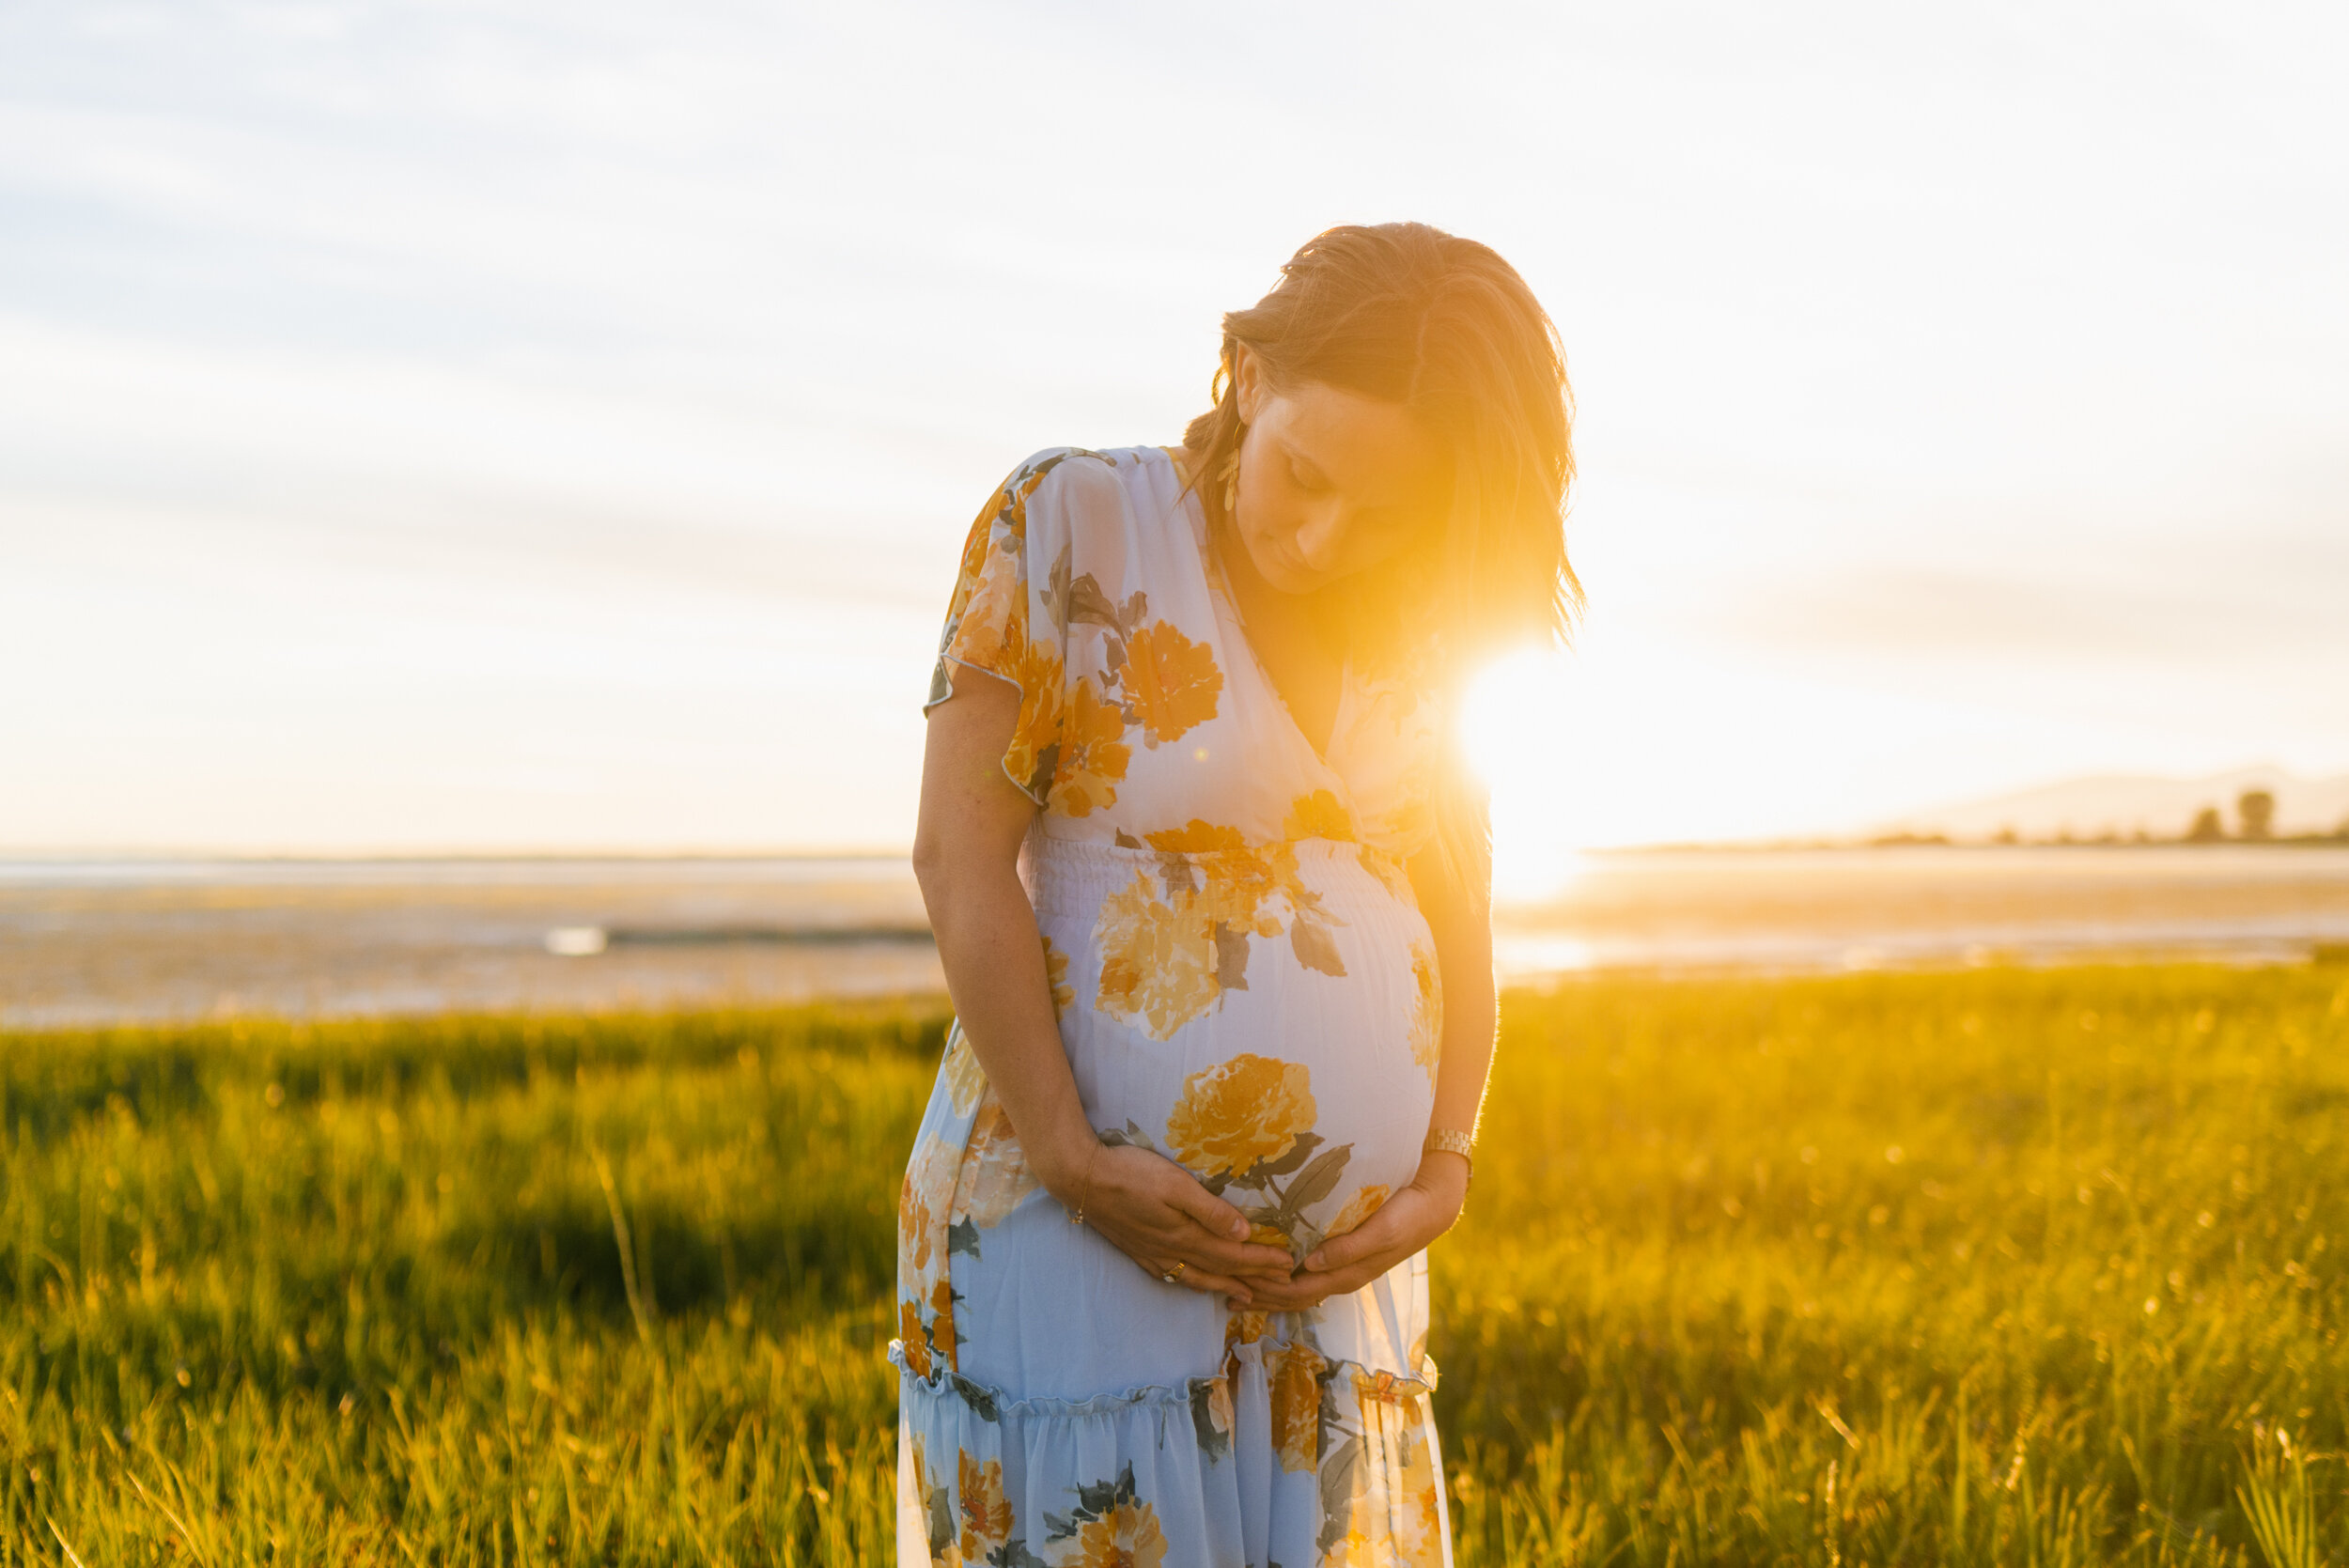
(1244, 984)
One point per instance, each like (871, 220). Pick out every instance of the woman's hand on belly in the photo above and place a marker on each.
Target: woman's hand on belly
(1403, 1225)
(1156, 1213)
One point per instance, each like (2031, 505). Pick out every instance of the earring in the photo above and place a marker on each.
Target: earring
(1229, 474)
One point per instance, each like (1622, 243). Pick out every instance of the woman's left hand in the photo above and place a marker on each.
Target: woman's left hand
(1405, 1223)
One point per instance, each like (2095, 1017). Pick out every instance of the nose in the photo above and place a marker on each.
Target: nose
(1321, 538)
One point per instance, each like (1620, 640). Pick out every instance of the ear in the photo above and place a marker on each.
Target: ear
(1248, 381)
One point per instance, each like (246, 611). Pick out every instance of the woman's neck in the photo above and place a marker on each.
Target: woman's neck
(1321, 615)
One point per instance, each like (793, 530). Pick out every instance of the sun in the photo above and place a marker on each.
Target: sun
(1519, 726)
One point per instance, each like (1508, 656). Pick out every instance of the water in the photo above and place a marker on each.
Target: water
(95, 941)
(1864, 908)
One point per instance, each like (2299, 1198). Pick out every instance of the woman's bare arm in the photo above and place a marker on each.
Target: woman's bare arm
(1459, 917)
(966, 855)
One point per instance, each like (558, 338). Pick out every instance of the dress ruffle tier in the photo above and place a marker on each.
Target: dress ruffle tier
(1283, 1457)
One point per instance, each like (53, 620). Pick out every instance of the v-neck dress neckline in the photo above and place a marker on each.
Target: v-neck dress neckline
(1235, 620)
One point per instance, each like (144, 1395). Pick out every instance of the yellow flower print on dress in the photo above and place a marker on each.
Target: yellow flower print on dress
(988, 613)
(1170, 682)
(911, 1336)
(993, 1177)
(1093, 754)
(1168, 956)
(1365, 1203)
(1152, 675)
(1247, 1124)
(966, 1081)
(1380, 1499)
(989, 627)
(1211, 1415)
(1427, 1011)
(1034, 754)
(1238, 1114)
(1294, 1374)
(1110, 1528)
(943, 1340)
(986, 1513)
(1245, 1328)
(1392, 874)
(1418, 1533)
(1056, 978)
(1319, 814)
(925, 1497)
(922, 1202)
(1198, 837)
(1157, 961)
(1226, 881)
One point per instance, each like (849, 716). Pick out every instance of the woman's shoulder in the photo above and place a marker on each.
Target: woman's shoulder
(1077, 492)
(1082, 473)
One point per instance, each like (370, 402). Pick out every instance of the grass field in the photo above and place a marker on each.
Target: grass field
(1992, 1268)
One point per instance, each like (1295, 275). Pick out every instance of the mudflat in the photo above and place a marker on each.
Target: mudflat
(89, 941)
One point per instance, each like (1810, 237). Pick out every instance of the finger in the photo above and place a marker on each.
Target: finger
(1234, 1257)
(1384, 1231)
(1312, 1290)
(1200, 1279)
(1175, 1234)
(1340, 1251)
(1219, 1217)
(1216, 1284)
(1346, 1281)
(1353, 1276)
(1292, 1297)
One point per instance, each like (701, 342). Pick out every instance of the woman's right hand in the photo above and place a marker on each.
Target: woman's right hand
(1156, 1213)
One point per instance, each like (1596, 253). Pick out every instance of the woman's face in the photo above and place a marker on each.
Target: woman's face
(1332, 483)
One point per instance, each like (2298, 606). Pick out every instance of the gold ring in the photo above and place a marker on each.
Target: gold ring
(1173, 1274)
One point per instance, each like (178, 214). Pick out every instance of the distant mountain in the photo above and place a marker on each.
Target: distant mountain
(2123, 806)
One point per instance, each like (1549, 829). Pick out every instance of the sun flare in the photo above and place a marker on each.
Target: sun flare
(1521, 736)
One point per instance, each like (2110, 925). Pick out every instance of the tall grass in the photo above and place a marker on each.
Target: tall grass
(2004, 1266)
(2007, 1267)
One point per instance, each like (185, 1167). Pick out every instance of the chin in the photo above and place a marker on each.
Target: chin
(1297, 584)
(1282, 578)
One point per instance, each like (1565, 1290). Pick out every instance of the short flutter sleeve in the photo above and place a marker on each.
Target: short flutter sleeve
(998, 622)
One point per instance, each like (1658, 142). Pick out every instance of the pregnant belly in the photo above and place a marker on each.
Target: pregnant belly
(1288, 1063)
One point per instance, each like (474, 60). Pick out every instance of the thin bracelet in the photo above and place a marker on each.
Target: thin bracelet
(1086, 1192)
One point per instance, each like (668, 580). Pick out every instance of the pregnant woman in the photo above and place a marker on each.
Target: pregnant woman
(1211, 892)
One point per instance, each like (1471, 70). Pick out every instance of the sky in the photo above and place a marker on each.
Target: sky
(535, 426)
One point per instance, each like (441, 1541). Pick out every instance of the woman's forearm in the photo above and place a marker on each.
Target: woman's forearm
(966, 855)
(1472, 1011)
(994, 962)
(1458, 907)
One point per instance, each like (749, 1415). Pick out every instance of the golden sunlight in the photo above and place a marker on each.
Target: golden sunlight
(1519, 726)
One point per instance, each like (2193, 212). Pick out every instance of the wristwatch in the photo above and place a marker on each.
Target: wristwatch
(1448, 1141)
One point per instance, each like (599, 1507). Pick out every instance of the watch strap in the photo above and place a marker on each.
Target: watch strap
(1447, 1140)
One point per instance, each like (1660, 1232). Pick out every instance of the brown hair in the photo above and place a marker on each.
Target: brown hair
(1410, 315)
(1443, 326)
